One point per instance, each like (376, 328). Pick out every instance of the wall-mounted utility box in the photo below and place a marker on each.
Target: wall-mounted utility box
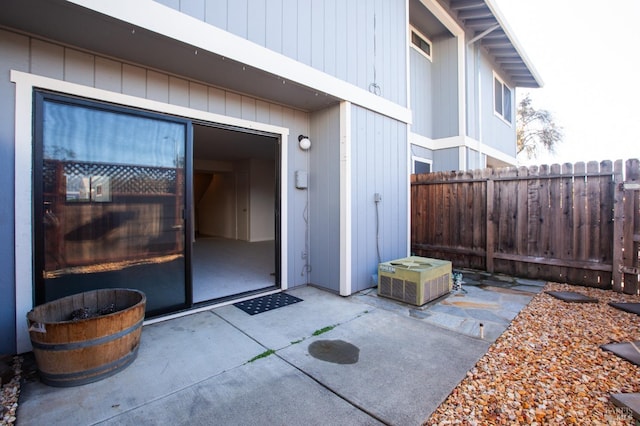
(415, 280)
(301, 178)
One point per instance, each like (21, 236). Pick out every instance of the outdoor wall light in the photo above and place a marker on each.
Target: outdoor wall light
(304, 142)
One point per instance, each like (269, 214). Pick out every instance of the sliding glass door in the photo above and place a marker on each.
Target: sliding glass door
(110, 201)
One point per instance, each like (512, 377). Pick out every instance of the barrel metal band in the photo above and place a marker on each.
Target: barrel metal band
(90, 375)
(85, 343)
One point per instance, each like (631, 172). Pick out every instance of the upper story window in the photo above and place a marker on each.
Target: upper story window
(501, 99)
(420, 165)
(421, 43)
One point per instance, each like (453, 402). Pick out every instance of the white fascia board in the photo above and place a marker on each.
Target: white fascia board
(164, 20)
(458, 142)
(514, 41)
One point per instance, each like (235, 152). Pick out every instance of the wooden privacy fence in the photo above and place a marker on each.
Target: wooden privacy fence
(578, 224)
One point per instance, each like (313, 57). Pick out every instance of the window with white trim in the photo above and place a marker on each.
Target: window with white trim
(502, 99)
(421, 43)
(420, 165)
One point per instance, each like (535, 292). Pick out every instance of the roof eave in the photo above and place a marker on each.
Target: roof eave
(516, 45)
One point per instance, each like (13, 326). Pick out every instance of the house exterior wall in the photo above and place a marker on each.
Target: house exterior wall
(324, 204)
(445, 88)
(421, 86)
(14, 54)
(496, 133)
(446, 159)
(379, 161)
(354, 52)
(31, 55)
(362, 42)
(434, 90)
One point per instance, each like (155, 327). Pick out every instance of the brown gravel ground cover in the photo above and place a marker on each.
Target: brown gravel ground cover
(547, 368)
(10, 393)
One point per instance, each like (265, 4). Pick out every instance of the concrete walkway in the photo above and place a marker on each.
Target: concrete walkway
(213, 367)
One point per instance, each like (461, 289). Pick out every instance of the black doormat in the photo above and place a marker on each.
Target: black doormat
(633, 308)
(571, 297)
(266, 303)
(625, 350)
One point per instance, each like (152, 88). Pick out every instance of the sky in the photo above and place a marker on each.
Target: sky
(588, 55)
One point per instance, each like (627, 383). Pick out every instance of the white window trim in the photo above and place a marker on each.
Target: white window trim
(413, 29)
(493, 85)
(415, 158)
(25, 84)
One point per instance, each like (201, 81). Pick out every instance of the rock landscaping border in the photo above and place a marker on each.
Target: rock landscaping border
(548, 368)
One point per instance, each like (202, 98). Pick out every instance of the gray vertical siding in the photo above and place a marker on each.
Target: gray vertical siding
(14, 51)
(475, 159)
(64, 63)
(445, 88)
(324, 198)
(434, 90)
(379, 165)
(446, 159)
(337, 37)
(422, 152)
(471, 85)
(421, 87)
(496, 133)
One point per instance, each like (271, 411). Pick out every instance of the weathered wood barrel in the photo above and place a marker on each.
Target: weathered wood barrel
(88, 336)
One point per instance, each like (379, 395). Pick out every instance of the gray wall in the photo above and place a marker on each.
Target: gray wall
(434, 90)
(14, 54)
(421, 93)
(379, 165)
(447, 159)
(496, 133)
(420, 151)
(334, 36)
(445, 88)
(471, 78)
(324, 199)
(475, 159)
(28, 54)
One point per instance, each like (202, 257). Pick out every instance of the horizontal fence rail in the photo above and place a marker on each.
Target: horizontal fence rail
(573, 223)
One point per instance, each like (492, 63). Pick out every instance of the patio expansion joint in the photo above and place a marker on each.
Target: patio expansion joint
(311, 377)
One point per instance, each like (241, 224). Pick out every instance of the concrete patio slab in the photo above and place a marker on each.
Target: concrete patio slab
(198, 369)
(405, 370)
(266, 391)
(279, 328)
(173, 355)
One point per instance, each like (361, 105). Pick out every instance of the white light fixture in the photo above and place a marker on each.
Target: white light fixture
(304, 142)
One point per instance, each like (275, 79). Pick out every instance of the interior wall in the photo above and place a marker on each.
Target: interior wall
(261, 200)
(216, 211)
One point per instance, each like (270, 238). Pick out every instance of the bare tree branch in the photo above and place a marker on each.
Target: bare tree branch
(536, 129)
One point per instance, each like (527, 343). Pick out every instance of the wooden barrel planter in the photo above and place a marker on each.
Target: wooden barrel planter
(102, 338)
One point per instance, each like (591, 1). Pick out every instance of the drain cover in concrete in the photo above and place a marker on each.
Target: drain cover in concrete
(634, 308)
(624, 350)
(571, 296)
(627, 401)
(335, 351)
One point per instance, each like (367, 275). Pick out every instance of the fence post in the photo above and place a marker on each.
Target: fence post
(618, 226)
(490, 228)
(630, 254)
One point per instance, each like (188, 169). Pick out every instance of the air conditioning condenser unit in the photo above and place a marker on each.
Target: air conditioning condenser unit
(415, 280)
